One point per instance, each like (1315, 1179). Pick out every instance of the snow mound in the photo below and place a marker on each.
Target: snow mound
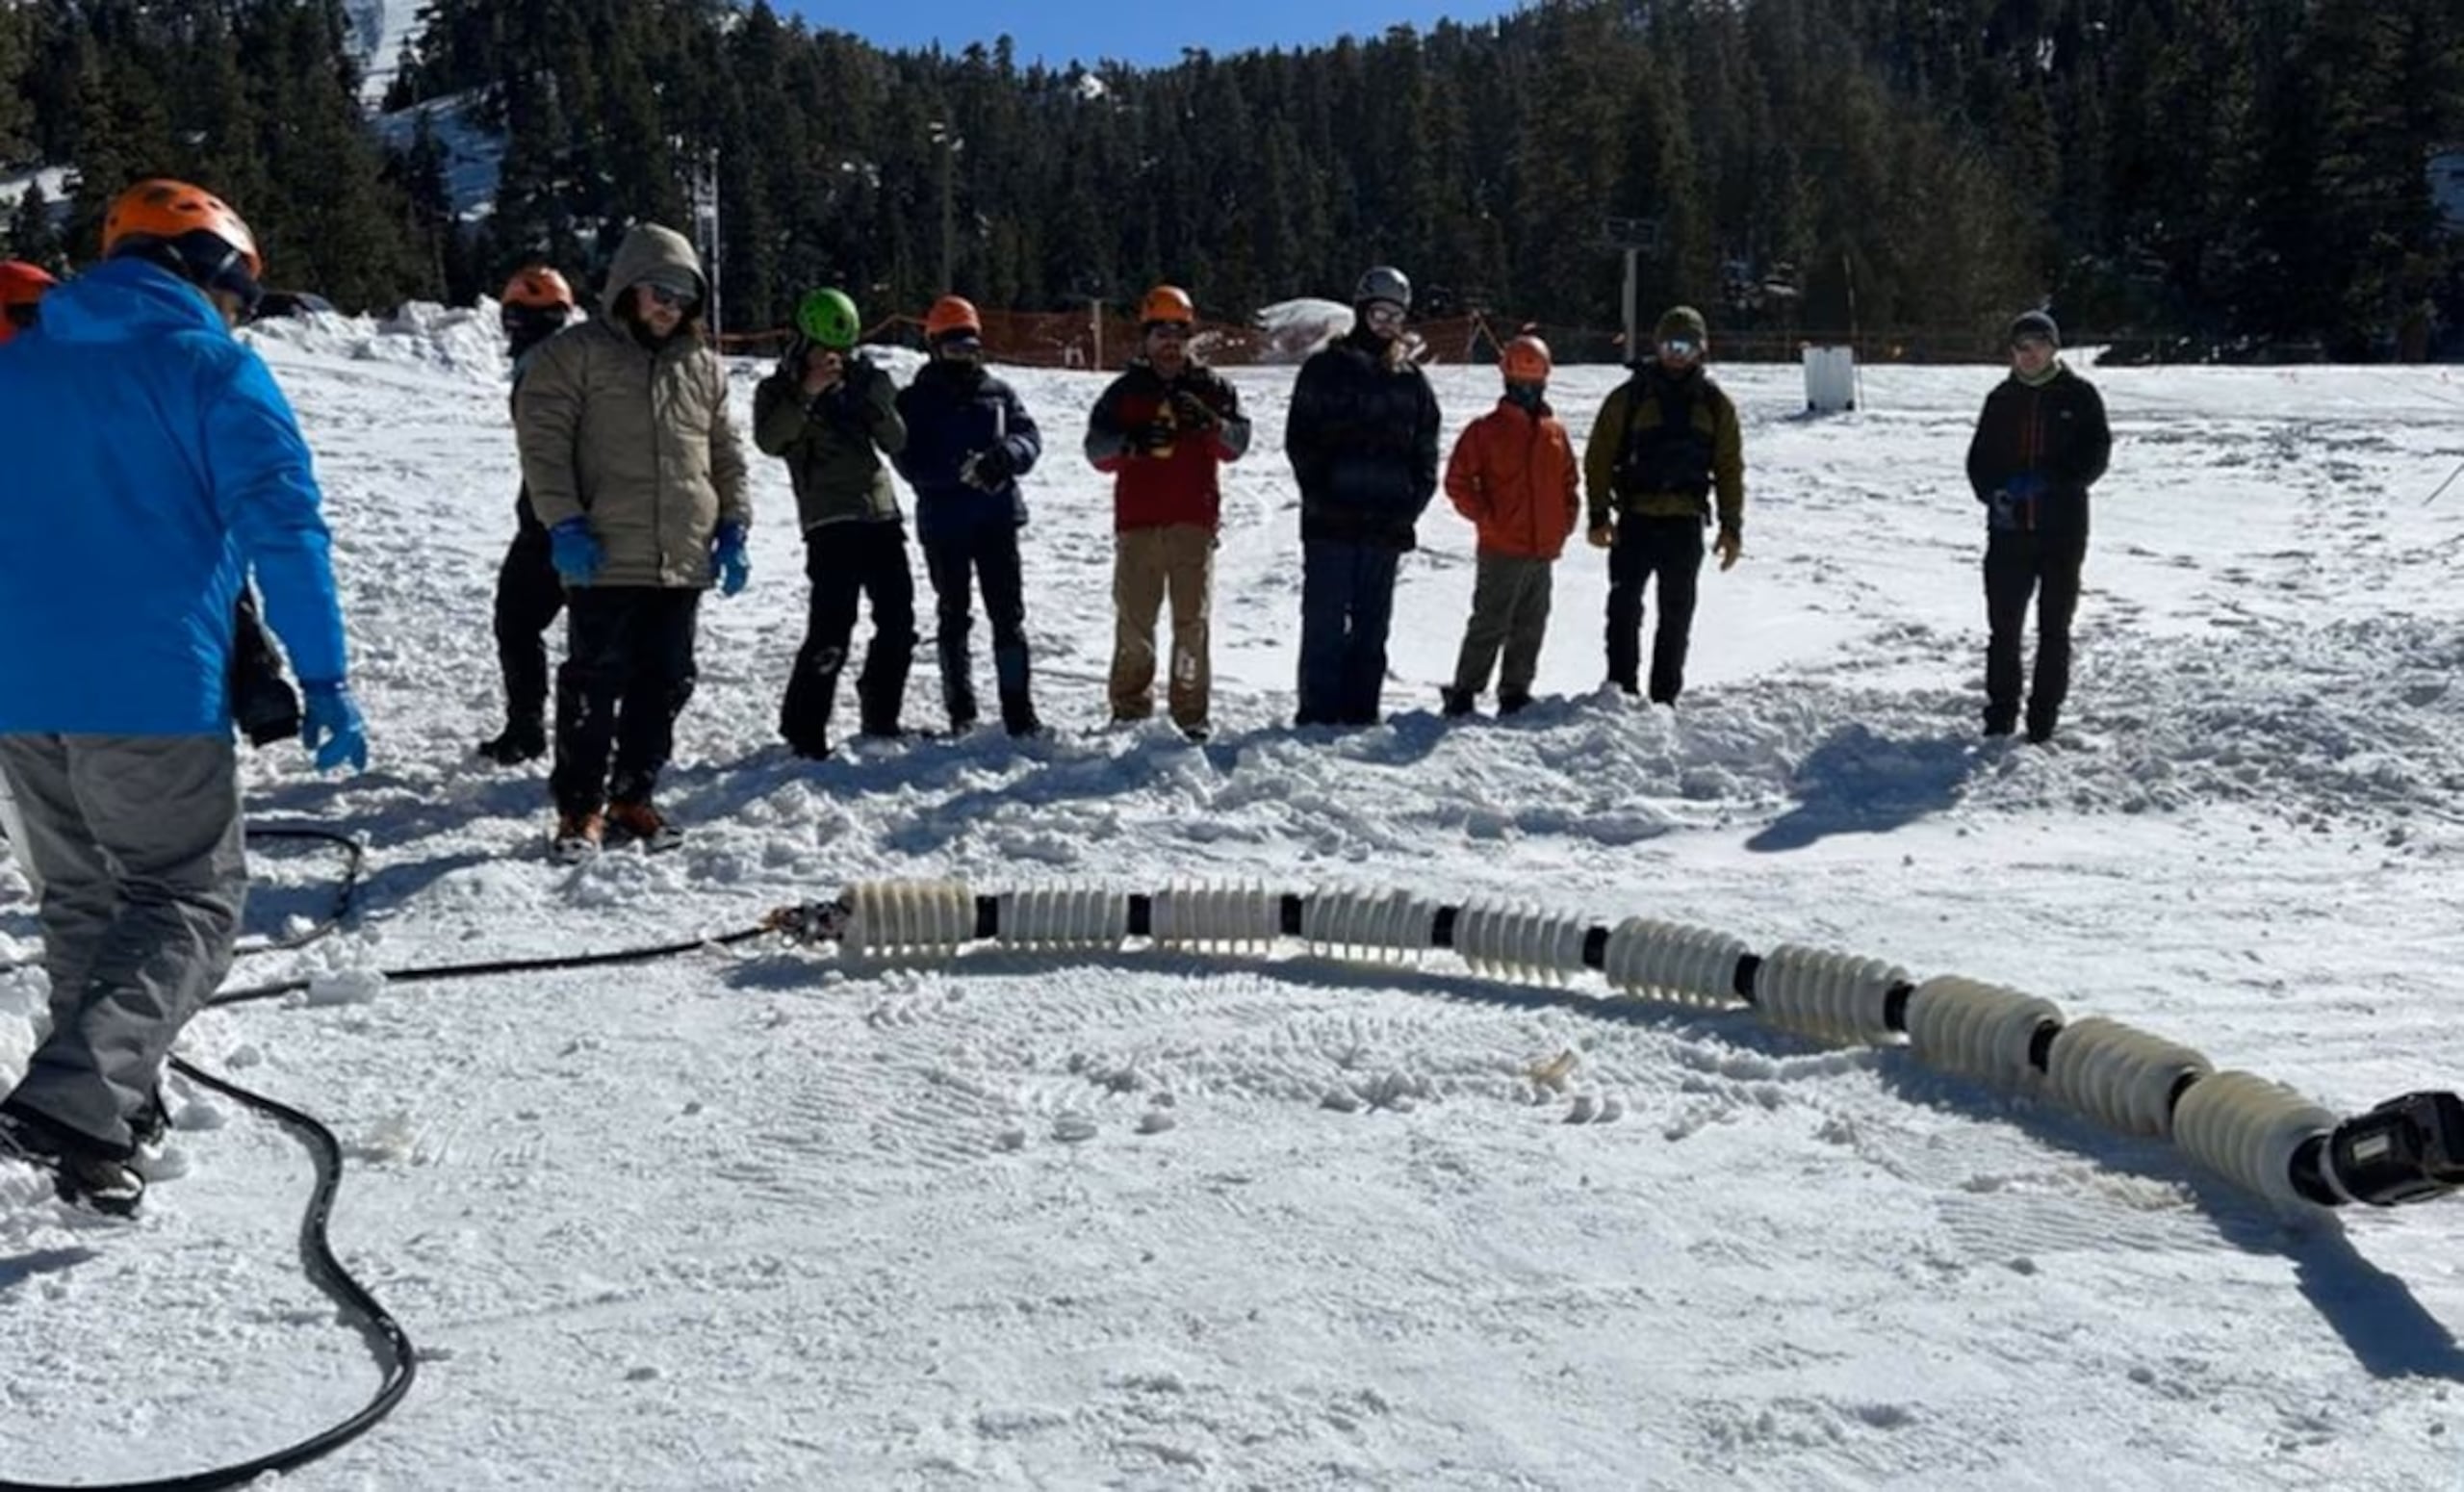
(418, 334)
(1296, 329)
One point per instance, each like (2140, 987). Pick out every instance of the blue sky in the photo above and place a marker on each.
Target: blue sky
(1137, 30)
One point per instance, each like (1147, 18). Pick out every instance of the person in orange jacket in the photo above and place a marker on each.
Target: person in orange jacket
(1514, 474)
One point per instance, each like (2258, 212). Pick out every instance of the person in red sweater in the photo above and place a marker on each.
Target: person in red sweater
(1164, 429)
(1513, 473)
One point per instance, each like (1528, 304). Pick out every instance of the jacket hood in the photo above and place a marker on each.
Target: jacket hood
(647, 249)
(123, 301)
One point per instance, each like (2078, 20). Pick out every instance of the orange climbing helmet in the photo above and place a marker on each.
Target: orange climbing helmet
(1167, 303)
(21, 288)
(952, 316)
(538, 288)
(205, 239)
(1525, 360)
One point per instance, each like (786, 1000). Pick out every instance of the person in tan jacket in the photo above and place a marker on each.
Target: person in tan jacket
(1512, 473)
(634, 468)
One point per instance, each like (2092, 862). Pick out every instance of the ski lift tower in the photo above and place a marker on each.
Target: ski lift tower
(1632, 237)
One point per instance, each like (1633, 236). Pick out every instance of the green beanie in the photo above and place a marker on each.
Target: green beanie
(1681, 321)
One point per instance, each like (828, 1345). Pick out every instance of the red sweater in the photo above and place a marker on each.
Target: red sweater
(1174, 482)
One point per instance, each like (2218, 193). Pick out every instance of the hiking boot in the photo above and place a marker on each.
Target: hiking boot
(83, 1172)
(520, 741)
(1509, 704)
(1198, 732)
(1455, 703)
(106, 1184)
(2001, 719)
(579, 835)
(644, 825)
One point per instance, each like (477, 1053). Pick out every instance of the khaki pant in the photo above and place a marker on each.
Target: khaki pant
(1509, 611)
(1178, 558)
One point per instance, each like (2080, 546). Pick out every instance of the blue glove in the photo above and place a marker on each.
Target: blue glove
(574, 551)
(727, 554)
(330, 727)
(2027, 487)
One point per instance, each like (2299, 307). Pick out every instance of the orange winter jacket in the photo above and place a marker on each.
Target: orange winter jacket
(1514, 474)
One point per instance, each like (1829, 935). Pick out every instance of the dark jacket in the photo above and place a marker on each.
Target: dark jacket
(833, 444)
(1362, 435)
(1175, 482)
(1666, 445)
(953, 411)
(2047, 445)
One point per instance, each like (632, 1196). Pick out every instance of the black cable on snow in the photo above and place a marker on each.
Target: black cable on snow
(392, 1345)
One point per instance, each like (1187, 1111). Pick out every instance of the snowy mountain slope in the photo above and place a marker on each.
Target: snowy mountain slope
(761, 1221)
(378, 28)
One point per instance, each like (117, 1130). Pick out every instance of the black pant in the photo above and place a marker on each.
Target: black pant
(1672, 549)
(2020, 564)
(986, 554)
(529, 597)
(627, 676)
(845, 561)
(1346, 607)
(262, 700)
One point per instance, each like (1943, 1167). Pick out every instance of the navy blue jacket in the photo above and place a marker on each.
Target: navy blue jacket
(953, 411)
(1362, 435)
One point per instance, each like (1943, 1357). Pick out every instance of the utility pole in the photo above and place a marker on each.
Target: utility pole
(1634, 237)
(951, 143)
(707, 228)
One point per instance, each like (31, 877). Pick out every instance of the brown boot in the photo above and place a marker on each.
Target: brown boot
(578, 834)
(643, 825)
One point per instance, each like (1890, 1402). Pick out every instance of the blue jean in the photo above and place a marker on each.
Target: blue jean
(1347, 604)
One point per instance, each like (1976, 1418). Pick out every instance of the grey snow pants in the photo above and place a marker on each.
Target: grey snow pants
(137, 842)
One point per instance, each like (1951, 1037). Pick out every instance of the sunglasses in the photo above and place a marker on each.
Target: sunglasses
(1170, 331)
(668, 294)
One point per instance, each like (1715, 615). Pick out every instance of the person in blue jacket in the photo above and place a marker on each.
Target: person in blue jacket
(157, 467)
(968, 441)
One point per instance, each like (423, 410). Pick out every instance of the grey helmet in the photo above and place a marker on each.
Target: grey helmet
(1383, 283)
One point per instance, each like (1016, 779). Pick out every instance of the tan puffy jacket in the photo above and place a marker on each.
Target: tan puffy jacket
(638, 440)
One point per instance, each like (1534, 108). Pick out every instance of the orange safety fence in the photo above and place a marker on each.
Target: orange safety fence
(1074, 339)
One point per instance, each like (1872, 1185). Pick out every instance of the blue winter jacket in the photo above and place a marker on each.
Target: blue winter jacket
(152, 463)
(953, 411)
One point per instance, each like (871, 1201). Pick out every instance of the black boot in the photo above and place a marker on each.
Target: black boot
(1018, 711)
(958, 688)
(1513, 704)
(521, 741)
(1454, 704)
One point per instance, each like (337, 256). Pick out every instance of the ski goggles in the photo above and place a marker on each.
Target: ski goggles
(1384, 315)
(1681, 346)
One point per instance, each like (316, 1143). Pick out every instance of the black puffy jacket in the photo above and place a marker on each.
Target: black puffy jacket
(1362, 435)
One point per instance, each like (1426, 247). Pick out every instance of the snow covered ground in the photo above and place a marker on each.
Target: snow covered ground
(750, 1219)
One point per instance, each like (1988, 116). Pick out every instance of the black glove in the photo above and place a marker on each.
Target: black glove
(1193, 412)
(791, 362)
(1149, 438)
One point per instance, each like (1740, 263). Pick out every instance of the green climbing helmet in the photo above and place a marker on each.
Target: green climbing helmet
(830, 318)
